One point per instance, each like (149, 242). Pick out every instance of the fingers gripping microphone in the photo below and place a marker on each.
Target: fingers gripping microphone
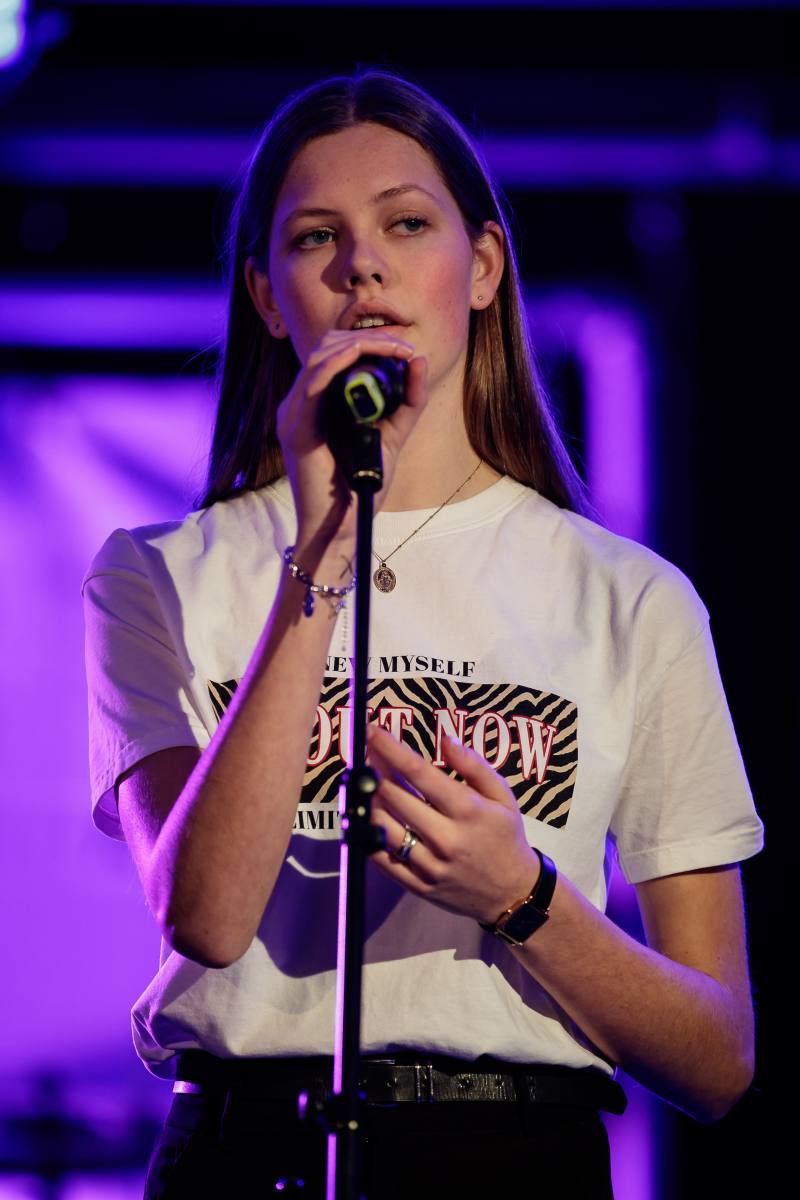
(355, 400)
(372, 388)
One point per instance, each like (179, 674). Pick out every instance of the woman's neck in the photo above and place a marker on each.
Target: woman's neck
(437, 460)
(428, 473)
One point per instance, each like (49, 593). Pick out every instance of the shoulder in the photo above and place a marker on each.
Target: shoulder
(618, 578)
(202, 540)
(653, 582)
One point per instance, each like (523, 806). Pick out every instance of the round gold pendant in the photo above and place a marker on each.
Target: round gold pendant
(384, 578)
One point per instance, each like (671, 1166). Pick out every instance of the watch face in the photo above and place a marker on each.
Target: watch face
(521, 924)
(532, 912)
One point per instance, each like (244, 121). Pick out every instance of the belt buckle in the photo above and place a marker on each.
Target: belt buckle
(423, 1083)
(184, 1087)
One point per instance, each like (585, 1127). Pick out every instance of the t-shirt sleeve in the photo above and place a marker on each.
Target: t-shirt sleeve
(139, 696)
(685, 801)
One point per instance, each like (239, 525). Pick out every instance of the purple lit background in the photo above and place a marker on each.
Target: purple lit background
(652, 156)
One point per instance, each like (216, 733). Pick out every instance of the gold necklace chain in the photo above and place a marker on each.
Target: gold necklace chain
(384, 577)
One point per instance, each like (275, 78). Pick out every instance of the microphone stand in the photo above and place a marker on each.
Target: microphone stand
(340, 1115)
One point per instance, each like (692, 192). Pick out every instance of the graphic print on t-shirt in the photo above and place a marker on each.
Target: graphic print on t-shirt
(529, 737)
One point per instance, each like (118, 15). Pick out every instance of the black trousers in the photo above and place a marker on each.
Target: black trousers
(237, 1148)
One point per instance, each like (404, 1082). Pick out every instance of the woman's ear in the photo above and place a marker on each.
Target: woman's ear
(488, 262)
(258, 286)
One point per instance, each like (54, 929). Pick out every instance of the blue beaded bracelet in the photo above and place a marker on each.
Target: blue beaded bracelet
(312, 588)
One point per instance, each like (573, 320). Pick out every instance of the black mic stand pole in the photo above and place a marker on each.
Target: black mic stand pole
(341, 1114)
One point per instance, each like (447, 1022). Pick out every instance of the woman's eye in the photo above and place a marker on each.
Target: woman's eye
(413, 224)
(323, 237)
(314, 237)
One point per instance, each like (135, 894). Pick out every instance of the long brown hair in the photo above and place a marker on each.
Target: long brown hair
(508, 418)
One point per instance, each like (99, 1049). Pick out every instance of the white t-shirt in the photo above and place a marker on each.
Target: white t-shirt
(579, 663)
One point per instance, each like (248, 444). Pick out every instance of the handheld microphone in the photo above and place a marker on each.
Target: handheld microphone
(372, 388)
(359, 396)
(350, 407)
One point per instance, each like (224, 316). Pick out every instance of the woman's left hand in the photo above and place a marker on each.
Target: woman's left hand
(472, 856)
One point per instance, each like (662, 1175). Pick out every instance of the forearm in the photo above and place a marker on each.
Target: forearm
(220, 850)
(674, 1028)
(676, 1015)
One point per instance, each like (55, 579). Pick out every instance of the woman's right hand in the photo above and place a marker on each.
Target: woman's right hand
(326, 513)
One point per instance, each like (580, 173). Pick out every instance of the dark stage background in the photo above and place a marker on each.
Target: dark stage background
(651, 155)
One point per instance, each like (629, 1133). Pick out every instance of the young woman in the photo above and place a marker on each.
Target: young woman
(543, 693)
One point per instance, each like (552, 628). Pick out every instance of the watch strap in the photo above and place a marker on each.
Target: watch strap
(516, 924)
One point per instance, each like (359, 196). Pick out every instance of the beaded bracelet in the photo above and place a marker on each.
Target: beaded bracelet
(312, 588)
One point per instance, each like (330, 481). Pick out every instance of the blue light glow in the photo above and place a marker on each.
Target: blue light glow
(12, 31)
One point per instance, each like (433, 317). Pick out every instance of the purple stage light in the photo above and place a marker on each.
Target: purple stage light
(111, 314)
(722, 156)
(608, 340)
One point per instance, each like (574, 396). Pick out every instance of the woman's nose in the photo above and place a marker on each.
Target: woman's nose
(355, 280)
(363, 263)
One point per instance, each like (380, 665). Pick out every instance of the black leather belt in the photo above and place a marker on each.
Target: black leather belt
(402, 1078)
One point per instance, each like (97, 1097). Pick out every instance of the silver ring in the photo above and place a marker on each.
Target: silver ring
(408, 843)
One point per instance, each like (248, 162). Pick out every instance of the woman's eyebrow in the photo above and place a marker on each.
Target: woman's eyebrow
(387, 194)
(400, 190)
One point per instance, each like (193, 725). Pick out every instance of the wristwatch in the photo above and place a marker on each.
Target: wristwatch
(517, 923)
